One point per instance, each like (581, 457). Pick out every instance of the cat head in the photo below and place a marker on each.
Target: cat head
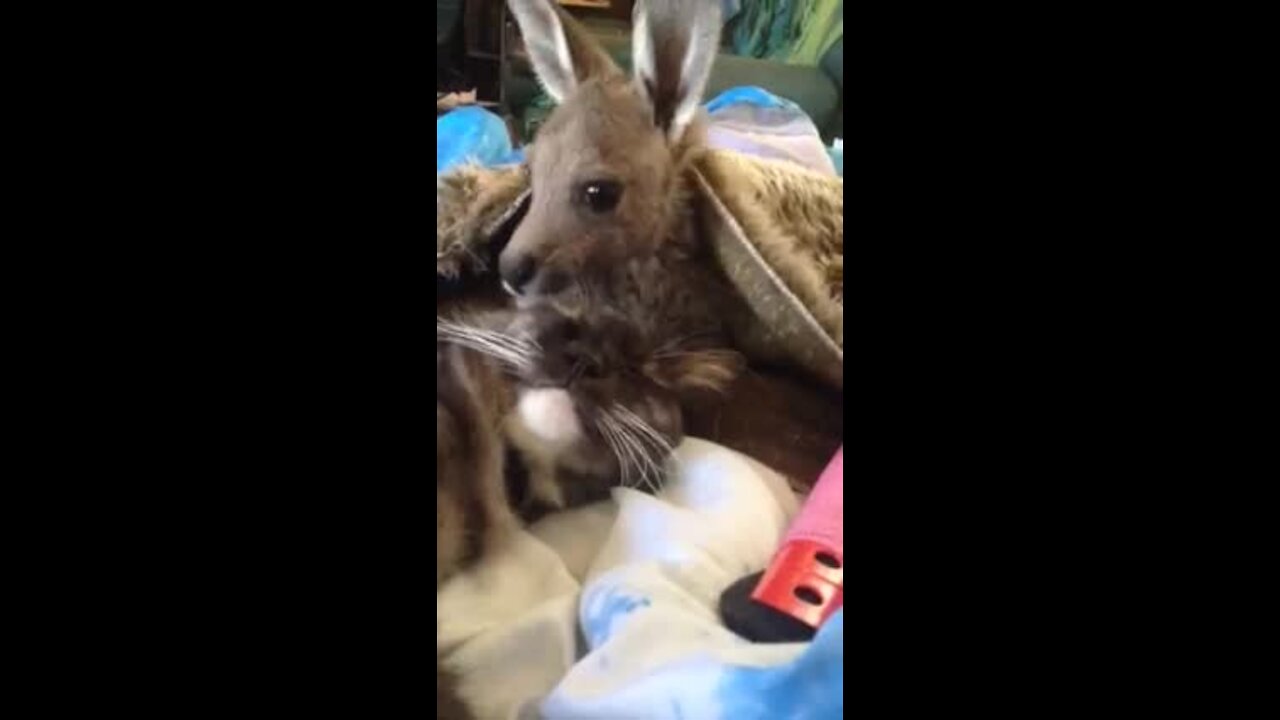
(604, 389)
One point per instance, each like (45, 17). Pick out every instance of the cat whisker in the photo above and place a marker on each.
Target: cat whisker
(634, 451)
(610, 439)
(627, 458)
(463, 327)
(629, 416)
(652, 471)
(494, 344)
(520, 345)
(489, 349)
(646, 432)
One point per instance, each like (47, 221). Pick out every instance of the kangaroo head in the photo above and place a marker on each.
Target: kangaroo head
(606, 168)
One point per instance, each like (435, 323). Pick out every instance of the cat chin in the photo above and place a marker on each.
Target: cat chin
(549, 415)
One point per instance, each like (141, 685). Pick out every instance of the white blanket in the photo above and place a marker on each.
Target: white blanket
(609, 611)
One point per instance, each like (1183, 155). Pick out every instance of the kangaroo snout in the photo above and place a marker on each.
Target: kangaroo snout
(517, 270)
(527, 272)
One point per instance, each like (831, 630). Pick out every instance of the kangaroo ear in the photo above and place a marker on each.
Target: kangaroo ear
(562, 52)
(673, 45)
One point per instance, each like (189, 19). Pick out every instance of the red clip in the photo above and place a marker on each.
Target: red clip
(805, 580)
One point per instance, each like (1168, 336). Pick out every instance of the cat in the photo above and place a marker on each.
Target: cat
(553, 404)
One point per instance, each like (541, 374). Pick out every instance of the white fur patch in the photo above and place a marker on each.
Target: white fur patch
(549, 415)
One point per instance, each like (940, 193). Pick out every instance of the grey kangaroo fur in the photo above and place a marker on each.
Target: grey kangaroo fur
(634, 134)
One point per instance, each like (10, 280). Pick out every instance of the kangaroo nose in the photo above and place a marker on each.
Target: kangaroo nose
(517, 275)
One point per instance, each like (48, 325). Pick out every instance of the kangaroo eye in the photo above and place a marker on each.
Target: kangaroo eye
(601, 195)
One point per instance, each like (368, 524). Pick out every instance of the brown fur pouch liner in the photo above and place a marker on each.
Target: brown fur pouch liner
(777, 230)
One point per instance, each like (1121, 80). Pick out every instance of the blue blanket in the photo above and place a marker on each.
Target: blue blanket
(747, 119)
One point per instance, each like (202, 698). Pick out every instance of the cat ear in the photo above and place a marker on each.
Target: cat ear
(708, 370)
(673, 43)
(562, 52)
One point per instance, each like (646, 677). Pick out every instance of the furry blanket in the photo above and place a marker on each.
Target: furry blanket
(777, 231)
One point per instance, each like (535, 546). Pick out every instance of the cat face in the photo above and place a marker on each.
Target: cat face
(604, 390)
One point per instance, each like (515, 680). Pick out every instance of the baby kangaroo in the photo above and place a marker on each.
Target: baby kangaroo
(609, 165)
(612, 167)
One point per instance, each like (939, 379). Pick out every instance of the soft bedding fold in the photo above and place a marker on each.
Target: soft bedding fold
(608, 611)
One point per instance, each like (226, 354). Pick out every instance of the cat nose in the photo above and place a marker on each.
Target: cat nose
(516, 275)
